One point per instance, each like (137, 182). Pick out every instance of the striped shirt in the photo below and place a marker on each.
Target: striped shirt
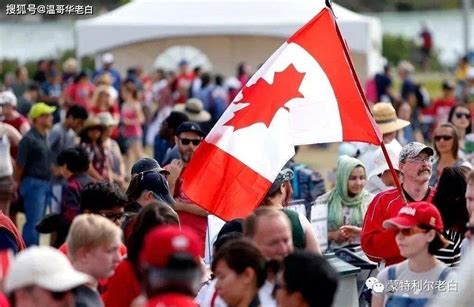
(451, 255)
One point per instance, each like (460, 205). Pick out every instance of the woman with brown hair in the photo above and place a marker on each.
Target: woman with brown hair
(240, 269)
(446, 145)
(418, 227)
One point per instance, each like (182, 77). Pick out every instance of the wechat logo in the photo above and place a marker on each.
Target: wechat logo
(373, 284)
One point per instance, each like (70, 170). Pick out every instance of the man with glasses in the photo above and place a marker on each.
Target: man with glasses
(42, 276)
(188, 137)
(105, 199)
(415, 164)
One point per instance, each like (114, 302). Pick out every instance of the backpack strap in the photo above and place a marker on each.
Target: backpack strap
(444, 273)
(295, 181)
(392, 273)
(442, 277)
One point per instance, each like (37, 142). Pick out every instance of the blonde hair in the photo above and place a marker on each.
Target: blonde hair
(89, 231)
(101, 89)
(104, 79)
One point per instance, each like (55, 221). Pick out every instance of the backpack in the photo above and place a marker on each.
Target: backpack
(307, 183)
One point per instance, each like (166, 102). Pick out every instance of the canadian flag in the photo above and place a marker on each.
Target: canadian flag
(307, 92)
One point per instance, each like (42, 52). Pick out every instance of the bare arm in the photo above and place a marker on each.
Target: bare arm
(19, 173)
(312, 243)
(13, 135)
(377, 301)
(190, 208)
(24, 128)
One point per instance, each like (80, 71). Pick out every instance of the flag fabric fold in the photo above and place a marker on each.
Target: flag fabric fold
(307, 92)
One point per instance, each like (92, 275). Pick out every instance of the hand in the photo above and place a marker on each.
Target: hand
(175, 168)
(350, 231)
(337, 236)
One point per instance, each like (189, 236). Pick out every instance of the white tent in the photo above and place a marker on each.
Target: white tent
(226, 31)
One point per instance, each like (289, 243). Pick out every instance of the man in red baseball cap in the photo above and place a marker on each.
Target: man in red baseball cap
(170, 260)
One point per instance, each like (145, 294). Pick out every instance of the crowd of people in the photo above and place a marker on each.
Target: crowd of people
(122, 232)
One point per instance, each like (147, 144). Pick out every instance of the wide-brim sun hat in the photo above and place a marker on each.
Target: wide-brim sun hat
(194, 109)
(93, 122)
(386, 118)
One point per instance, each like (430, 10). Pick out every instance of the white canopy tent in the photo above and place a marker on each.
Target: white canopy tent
(226, 31)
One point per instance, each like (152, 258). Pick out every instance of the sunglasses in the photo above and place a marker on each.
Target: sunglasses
(114, 217)
(462, 114)
(195, 142)
(407, 232)
(438, 138)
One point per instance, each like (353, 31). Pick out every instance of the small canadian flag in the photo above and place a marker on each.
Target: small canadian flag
(306, 93)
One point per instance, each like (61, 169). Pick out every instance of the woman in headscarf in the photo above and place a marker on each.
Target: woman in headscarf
(347, 203)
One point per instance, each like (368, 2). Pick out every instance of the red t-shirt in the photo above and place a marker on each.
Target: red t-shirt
(80, 93)
(17, 122)
(193, 221)
(123, 287)
(171, 300)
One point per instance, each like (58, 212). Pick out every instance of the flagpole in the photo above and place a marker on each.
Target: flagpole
(384, 150)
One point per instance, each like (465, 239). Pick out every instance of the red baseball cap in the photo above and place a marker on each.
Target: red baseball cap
(416, 214)
(172, 299)
(165, 241)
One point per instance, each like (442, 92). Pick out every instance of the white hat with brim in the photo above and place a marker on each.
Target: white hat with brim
(107, 119)
(194, 109)
(380, 163)
(45, 267)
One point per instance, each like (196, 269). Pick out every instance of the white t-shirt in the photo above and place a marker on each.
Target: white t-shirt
(413, 284)
(205, 295)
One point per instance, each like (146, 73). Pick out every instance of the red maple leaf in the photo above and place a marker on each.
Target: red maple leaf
(266, 99)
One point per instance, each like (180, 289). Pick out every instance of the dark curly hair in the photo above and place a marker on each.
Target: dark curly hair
(97, 196)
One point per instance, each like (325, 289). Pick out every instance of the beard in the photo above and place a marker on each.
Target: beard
(187, 155)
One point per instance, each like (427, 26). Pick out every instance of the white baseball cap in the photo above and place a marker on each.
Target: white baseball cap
(107, 58)
(8, 97)
(45, 267)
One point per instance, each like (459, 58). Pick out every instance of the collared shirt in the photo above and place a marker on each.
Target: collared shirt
(60, 139)
(34, 155)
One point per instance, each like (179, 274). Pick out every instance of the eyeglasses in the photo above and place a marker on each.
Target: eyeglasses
(114, 217)
(438, 138)
(195, 142)
(421, 159)
(462, 114)
(59, 296)
(408, 232)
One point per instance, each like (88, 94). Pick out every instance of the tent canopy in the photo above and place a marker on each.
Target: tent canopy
(146, 20)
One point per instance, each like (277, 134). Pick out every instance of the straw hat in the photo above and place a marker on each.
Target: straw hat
(93, 122)
(194, 109)
(386, 118)
(107, 119)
